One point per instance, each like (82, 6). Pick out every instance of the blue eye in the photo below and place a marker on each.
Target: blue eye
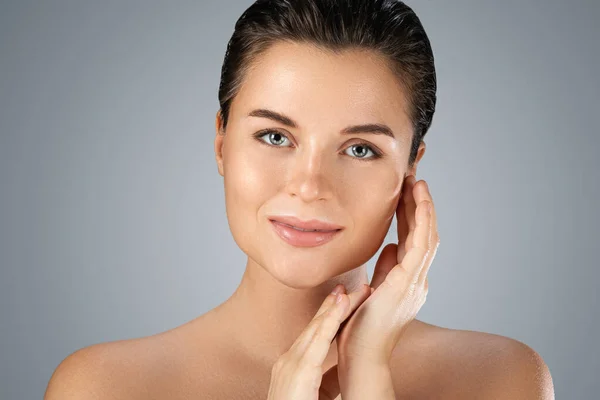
(363, 149)
(275, 138)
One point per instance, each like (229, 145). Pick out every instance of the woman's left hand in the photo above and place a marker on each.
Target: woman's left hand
(398, 288)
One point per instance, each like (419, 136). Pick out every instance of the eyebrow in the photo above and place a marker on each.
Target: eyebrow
(377, 129)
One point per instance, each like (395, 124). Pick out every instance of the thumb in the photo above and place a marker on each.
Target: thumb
(386, 261)
(330, 385)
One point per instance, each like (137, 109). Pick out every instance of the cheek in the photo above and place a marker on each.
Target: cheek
(249, 182)
(373, 196)
(372, 206)
(246, 177)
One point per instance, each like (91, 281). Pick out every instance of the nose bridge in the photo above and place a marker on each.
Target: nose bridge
(309, 178)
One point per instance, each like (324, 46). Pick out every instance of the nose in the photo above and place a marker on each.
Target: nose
(309, 178)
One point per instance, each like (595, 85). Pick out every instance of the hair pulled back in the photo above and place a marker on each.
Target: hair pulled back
(387, 26)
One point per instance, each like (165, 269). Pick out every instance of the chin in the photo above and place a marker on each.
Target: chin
(297, 271)
(308, 268)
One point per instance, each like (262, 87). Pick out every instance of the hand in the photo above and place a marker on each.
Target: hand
(399, 285)
(298, 373)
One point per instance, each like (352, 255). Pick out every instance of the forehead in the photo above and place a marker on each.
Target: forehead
(318, 86)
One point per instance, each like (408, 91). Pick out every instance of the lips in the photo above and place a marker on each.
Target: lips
(310, 225)
(300, 233)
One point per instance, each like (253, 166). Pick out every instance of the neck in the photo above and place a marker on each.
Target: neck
(272, 315)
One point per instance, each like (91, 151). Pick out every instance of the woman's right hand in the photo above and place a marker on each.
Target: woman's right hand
(298, 373)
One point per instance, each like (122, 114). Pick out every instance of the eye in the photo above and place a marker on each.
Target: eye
(364, 148)
(275, 138)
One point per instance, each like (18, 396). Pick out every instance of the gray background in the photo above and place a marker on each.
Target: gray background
(112, 218)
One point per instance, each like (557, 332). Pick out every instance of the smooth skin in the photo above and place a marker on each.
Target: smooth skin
(380, 314)
(307, 166)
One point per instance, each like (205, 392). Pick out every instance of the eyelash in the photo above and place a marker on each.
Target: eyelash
(376, 154)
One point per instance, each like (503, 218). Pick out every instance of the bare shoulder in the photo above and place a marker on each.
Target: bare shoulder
(178, 363)
(95, 371)
(131, 369)
(82, 374)
(469, 364)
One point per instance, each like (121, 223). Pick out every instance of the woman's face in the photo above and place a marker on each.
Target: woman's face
(313, 170)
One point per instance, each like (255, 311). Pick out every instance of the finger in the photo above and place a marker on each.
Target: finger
(422, 238)
(431, 249)
(386, 261)
(407, 272)
(358, 296)
(409, 202)
(314, 343)
(434, 242)
(327, 315)
(356, 299)
(329, 310)
(402, 213)
(422, 195)
(406, 219)
(428, 262)
(330, 299)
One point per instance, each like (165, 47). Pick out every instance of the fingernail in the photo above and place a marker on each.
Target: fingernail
(337, 289)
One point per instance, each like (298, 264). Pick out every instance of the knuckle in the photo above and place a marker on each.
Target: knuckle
(330, 323)
(319, 318)
(397, 274)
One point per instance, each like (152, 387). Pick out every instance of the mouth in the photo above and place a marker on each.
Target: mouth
(303, 237)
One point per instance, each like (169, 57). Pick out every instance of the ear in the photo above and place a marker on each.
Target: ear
(219, 142)
(420, 154)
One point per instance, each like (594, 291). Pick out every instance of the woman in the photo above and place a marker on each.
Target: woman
(324, 105)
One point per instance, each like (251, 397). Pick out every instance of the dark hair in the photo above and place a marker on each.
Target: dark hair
(388, 26)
